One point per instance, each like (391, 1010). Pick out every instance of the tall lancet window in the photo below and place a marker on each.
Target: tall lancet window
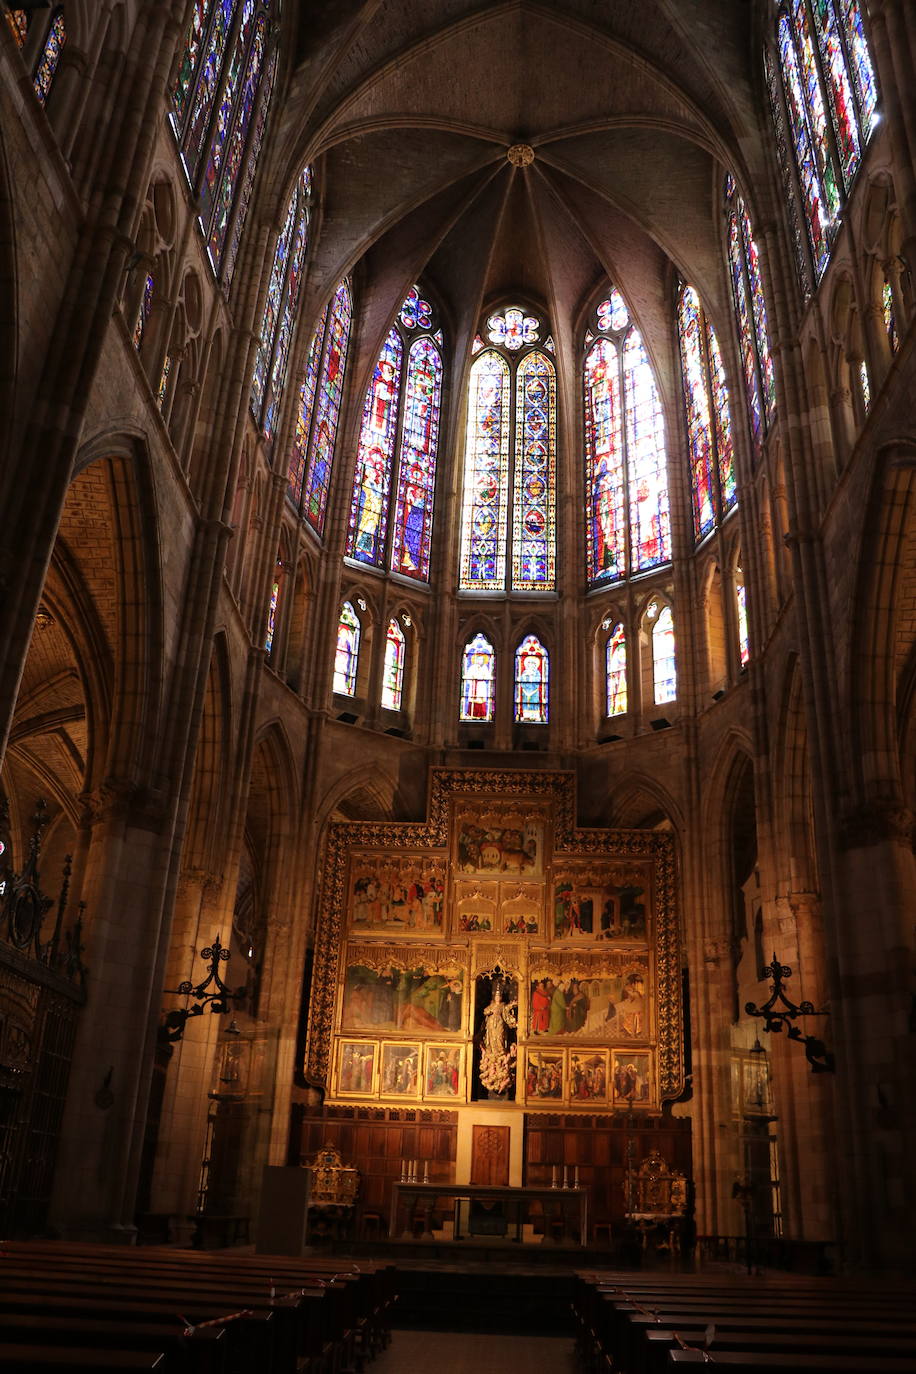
(615, 665)
(219, 102)
(823, 93)
(393, 668)
(478, 680)
(664, 668)
(50, 55)
(279, 318)
(346, 655)
(509, 499)
(628, 527)
(709, 430)
(391, 508)
(532, 668)
(318, 415)
(750, 312)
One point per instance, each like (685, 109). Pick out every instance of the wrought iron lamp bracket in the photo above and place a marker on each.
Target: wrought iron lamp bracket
(779, 1014)
(211, 992)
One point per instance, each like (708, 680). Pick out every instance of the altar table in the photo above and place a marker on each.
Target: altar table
(556, 1204)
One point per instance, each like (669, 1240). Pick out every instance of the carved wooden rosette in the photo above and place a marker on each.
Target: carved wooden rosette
(631, 852)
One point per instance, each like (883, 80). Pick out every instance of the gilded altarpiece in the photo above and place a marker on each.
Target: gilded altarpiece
(497, 899)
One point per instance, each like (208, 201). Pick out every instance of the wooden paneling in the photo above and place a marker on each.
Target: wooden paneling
(490, 1155)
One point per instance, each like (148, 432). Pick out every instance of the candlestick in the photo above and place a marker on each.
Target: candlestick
(565, 1177)
(576, 1176)
(426, 1172)
(553, 1179)
(403, 1170)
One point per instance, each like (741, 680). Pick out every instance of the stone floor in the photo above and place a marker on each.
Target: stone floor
(458, 1352)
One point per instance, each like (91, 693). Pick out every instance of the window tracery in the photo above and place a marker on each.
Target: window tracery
(627, 514)
(400, 417)
(709, 432)
(318, 415)
(50, 55)
(510, 462)
(822, 88)
(750, 312)
(219, 103)
(279, 316)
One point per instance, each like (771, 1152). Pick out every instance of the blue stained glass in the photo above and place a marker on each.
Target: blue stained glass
(664, 671)
(745, 324)
(647, 464)
(190, 58)
(287, 321)
(296, 473)
(327, 412)
(758, 311)
(208, 82)
(224, 113)
(839, 87)
(49, 61)
(725, 448)
(863, 74)
(478, 680)
(531, 682)
(417, 464)
(235, 155)
(486, 476)
(372, 481)
(251, 165)
(272, 307)
(699, 414)
(818, 217)
(533, 533)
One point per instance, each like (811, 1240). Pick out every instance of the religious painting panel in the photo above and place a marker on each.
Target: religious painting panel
(443, 1071)
(476, 908)
(587, 1084)
(521, 908)
(397, 895)
(356, 1068)
(599, 900)
(631, 1078)
(545, 1075)
(400, 1070)
(590, 996)
(386, 988)
(495, 838)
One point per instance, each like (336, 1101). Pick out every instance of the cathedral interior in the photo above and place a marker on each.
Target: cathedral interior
(459, 612)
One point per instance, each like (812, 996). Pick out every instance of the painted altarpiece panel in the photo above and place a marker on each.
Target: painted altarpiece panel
(501, 843)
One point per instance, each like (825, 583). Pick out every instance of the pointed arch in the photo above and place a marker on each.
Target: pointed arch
(478, 680)
(532, 682)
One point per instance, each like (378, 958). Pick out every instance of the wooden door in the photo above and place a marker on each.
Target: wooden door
(490, 1155)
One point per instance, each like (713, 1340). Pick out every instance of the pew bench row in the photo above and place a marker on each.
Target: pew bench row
(632, 1324)
(71, 1306)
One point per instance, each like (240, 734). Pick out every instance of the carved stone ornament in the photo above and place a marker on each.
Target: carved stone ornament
(553, 795)
(520, 154)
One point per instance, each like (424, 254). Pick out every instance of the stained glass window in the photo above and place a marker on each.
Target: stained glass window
(478, 680)
(163, 389)
(272, 616)
(219, 103)
(616, 672)
(318, 414)
(486, 476)
(741, 606)
(533, 520)
(531, 682)
(828, 86)
(143, 313)
(750, 313)
(513, 329)
(864, 384)
(18, 21)
(664, 673)
(400, 420)
(510, 463)
(278, 319)
(49, 58)
(393, 670)
(626, 479)
(346, 656)
(712, 459)
(890, 319)
(647, 476)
